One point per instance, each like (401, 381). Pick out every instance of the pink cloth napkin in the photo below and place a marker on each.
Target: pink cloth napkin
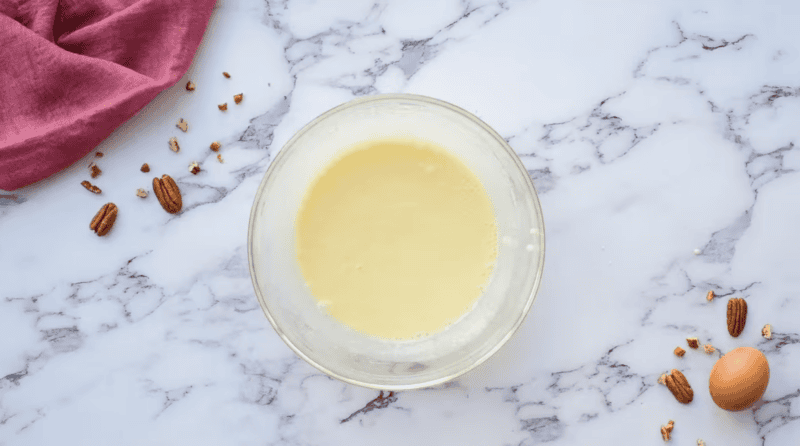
(71, 71)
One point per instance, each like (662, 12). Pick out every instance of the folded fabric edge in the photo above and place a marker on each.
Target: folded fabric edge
(44, 156)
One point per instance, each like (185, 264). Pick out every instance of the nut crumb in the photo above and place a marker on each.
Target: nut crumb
(667, 430)
(225, 73)
(679, 351)
(693, 342)
(662, 379)
(223, 107)
(709, 348)
(98, 154)
(145, 168)
(237, 98)
(183, 125)
(94, 171)
(190, 86)
(219, 158)
(215, 146)
(701, 443)
(90, 187)
(710, 295)
(173, 145)
(194, 168)
(141, 193)
(767, 331)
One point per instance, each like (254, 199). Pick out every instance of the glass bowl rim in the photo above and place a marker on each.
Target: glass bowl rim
(406, 97)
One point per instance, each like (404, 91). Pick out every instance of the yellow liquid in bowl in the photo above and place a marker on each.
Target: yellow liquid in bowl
(396, 238)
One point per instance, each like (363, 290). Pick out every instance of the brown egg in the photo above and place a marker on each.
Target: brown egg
(739, 378)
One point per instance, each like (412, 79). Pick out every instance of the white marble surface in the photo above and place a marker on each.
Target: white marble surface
(650, 129)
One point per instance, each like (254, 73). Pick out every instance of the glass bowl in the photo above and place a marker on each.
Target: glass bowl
(368, 361)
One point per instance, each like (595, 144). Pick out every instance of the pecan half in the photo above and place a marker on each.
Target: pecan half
(737, 316)
(680, 387)
(223, 107)
(104, 219)
(237, 98)
(767, 331)
(679, 351)
(168, 194)
(190, 86)
(91, 187)
(693, 342)
(183, 125)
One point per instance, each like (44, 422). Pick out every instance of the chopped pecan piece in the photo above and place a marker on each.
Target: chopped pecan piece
(91, 187)
(94, 171)
(667, 430)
